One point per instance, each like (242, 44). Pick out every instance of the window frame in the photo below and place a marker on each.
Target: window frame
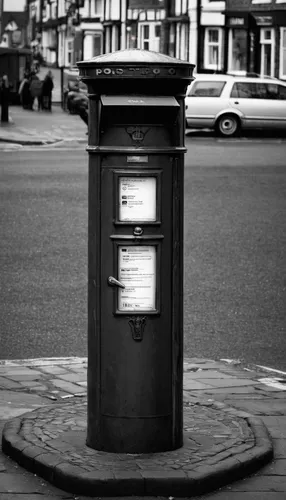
(69, 52)
(208, 45)
(152, 40)
(281, 53)
(263, 41)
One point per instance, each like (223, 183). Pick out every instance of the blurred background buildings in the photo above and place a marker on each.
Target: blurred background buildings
(238, 36)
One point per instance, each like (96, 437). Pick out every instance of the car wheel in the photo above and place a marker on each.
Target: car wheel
(228, 125)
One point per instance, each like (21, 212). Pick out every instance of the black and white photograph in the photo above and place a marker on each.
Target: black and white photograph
(143, 249)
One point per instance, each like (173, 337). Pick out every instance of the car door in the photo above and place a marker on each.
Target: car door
(203, 101)
(276, 98)
(258, 103)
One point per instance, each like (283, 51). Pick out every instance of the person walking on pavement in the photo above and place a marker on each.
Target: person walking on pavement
(48, 86)
(4, 95)
(24, 91)
(36, 90)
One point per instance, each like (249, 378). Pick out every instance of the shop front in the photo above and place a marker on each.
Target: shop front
(255, 40)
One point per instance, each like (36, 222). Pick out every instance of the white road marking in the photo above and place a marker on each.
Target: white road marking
(271, 369)
(273, 382)
(231, 361)
(42, 361)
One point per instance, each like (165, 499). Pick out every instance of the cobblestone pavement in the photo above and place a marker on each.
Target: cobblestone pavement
(211, 435)
(44, 405)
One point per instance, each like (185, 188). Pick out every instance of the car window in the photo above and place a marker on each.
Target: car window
(275, 91)
(206, 89)
(249, 90)
(282, 92)
(272, 90)
(243, 90)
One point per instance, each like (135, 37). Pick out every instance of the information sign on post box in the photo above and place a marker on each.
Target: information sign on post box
(135, 250)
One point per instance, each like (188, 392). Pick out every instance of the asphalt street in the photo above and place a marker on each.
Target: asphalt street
(235, 236)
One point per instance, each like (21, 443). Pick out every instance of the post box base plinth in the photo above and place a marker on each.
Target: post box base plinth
(134, 435)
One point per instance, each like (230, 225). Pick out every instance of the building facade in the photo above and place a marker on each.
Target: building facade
(237, 36)
(67, 31)
(13, 23)
(255, 37)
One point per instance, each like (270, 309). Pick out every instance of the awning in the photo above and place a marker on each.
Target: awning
(138, 100)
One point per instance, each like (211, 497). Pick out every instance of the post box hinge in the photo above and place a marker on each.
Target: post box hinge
(137, 325)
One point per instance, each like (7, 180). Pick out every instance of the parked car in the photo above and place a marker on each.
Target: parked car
(229, 103)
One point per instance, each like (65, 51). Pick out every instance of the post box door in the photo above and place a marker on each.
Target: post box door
(136, 252)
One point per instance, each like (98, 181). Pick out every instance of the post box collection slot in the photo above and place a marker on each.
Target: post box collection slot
(139, 110)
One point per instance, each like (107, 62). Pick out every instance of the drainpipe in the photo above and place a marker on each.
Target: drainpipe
(1, 13)
(199, 31)
(166, 28)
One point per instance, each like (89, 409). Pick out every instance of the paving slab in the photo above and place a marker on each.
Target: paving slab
(73, 377)
(228, 494)
(276, 426)
(276, 468)
(279, 446)
(6, 383)
(261, 483)
(194, 385)
(269, 406)
(229, 382)
(66, 386)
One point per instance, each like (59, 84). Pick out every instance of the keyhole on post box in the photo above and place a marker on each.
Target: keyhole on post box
(138, 231)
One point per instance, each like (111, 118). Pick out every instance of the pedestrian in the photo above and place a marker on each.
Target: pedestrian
(24, 91)
(4, 95)
(48, 86)
(36, 91)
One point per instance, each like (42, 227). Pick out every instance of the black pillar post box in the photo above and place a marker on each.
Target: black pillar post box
(135, 250)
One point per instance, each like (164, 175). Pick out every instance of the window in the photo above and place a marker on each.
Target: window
(70, 52)
(267, 51)
(213, 48)
(282, 65)
(149, 36)
(145, 36)
(282, 92)
(206, 89)
(275, 91)
(250, 90)
(238, 50)
(272, 90)
(97, 40)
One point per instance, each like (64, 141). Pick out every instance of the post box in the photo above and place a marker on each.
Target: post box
(135, 250)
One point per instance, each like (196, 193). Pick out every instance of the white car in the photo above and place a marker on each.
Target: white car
(230, 103)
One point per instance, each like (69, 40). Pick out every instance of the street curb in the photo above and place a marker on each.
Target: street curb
(33, 142)
(179, 483)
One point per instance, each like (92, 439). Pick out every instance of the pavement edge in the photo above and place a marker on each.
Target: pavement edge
(53, 468)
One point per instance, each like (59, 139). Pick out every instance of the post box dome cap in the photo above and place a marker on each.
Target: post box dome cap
(136, 56)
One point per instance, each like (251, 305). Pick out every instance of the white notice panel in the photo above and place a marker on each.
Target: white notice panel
(137, 271)
(137, 199)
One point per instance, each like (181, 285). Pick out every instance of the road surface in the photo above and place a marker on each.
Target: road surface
(235, 237)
